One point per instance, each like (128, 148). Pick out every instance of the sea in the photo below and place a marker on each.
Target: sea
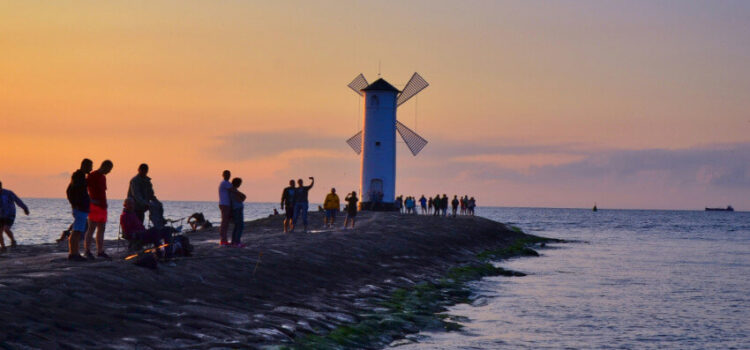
(627, 279)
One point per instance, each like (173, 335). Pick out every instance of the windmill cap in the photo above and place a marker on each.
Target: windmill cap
(380, 85)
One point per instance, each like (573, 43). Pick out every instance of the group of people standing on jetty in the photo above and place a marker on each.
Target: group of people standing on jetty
(87, 195)
(437, 206)
(294, 201)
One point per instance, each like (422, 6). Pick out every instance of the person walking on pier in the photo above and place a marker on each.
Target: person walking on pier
(79, 200)
(287, 203)
(300, 202)
(97, 188)
(332, 206)
(141, 191)
(8, 202)
(351, 208)
(225, 206)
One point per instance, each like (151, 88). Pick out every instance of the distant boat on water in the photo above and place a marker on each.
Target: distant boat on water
(594, 208)
(728, 208)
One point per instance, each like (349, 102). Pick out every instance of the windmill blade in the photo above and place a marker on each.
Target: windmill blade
(355, 142)
(413, 87)
(358, 83)
(413, 141)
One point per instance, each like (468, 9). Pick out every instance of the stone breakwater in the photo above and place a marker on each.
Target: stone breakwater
(279, 289)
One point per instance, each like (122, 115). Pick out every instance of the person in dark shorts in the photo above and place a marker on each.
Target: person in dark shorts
(454, 205)
(8, 202)
(332, 207)
(301, 203)
(79, 200)
(287, 202)
(238, 212)
(351, 208)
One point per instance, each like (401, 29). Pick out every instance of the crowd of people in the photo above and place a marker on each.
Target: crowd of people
(87, 195)
(437, 206)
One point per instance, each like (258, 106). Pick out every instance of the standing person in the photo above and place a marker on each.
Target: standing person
(351, 208)
(238, 212)
(97, 188)
(300, 202)
(225, 206)
(287, 203)
(472, 205)
(436, 203)
(332, 206)
(454, 205)
(430, 205)
(78, 197)
(8, 202)
(141, 191)
(423, 204)
(444, 204)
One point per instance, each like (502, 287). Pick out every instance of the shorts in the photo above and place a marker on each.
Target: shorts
(7, 221)
(97, 214)
(79, 220)
(289, 210)
(351, 213)
(331, 213)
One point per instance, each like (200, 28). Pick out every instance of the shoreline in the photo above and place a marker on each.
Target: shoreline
(305, 284)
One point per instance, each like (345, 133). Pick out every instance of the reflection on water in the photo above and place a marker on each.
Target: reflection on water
(641, 279)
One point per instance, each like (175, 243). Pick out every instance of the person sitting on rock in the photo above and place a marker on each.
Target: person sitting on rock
(134, 231)
(197, 220)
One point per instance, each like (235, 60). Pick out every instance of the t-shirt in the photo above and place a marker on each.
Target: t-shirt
(352, 203)
(224, 187)
(77, 194)
(287, 197)
(8, 201)
(300, 194)
(423, 201)
(97, 186)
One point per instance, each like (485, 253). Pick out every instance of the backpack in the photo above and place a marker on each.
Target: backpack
(181, 246)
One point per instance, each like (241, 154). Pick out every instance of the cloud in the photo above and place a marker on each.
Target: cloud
(260, 144)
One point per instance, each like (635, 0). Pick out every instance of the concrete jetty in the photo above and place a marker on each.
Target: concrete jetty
(278, 288)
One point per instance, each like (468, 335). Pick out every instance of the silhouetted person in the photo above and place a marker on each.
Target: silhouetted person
(436, 204)
(96, 184)
(141, 191)
(238, 212)
(8, 202)
(300, 203)
(80, 202)
(444, 204)
(287, 203)
(454, 205)
(133, 229)
(225, 206)
(423, 204)
(351, 208)
(472, 204)
(332, 206)
(197, 220)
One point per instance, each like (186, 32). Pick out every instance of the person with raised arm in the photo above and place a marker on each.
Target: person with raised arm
(301, 203)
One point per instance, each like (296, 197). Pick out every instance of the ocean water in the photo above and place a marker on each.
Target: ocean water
(636, 280)
(49, 217)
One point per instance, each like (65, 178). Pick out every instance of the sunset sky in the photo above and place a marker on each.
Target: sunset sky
(629, 104)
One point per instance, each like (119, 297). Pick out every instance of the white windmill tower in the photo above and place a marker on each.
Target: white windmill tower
(376, 142)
